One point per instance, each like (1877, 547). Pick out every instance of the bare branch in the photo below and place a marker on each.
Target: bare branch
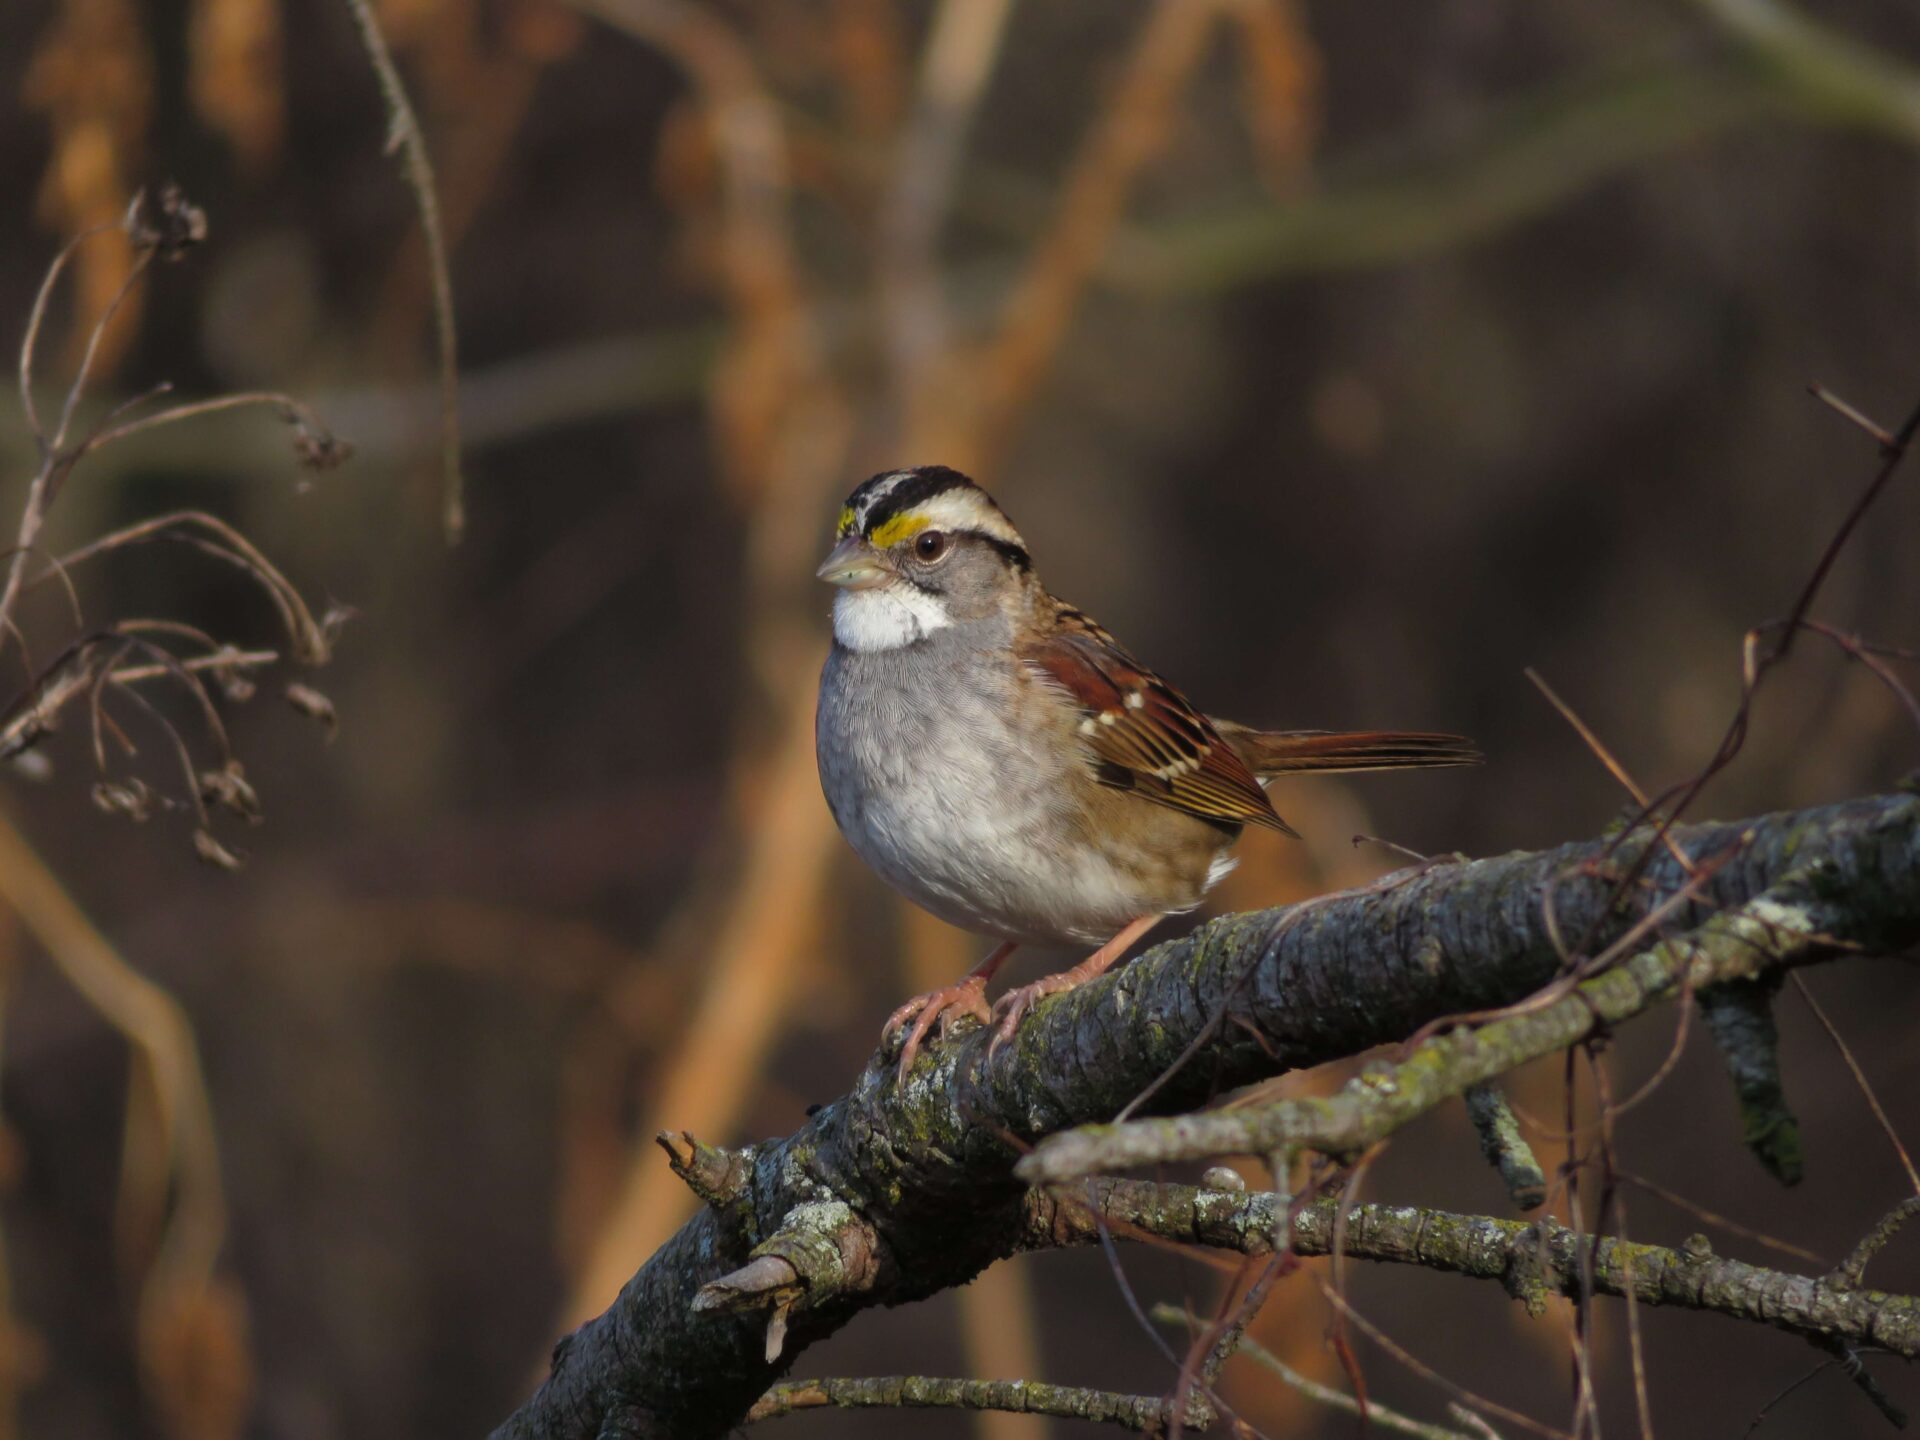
(1142, 1413)
(1853, 1270)
(1504, 1146)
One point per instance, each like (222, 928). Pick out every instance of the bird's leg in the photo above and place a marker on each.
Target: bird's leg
(968, 995)
(1012, 1007)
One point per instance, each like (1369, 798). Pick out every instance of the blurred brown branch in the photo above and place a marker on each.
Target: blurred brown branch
(172, 1213)
(1131, 130)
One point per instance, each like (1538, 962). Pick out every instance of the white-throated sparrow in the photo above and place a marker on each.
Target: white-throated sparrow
(1003, 762)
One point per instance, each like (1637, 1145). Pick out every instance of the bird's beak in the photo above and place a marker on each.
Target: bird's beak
(854, 565)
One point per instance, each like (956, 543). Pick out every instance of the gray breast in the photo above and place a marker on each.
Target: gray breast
(935, 788)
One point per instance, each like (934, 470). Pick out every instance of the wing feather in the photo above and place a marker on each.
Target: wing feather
(1141, 734)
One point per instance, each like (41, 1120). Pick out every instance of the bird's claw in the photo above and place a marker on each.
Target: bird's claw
(1012, 1008)
(938, 1007)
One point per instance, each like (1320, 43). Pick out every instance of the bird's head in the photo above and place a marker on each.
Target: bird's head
(918, 551)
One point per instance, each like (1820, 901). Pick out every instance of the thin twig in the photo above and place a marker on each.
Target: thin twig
(1860, 1079)
(404, 137)
(1374, 1413)
(1603, 1095)
(1853, 1270)
(1719, 1221)
(1760, 1418)
(1426, 1372)
(36, 317)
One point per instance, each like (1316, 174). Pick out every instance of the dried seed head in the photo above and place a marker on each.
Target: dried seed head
(133, 799)
(228, 788)
(235, 686)
(310, 702)
(214, 853)
(335, 619)
(29, 765)
(168, 224)
(316, 447)
(27, 730)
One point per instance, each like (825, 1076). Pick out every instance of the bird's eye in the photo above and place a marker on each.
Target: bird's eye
(930, 545)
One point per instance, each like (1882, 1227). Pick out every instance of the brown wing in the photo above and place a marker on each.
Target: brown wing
(1142, 735)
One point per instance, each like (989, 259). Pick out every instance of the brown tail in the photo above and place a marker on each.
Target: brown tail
(1328, 752)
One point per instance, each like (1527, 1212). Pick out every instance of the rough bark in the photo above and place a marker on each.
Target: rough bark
(897, 1191)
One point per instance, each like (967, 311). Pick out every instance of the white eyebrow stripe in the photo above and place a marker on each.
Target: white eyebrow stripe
(968, 510)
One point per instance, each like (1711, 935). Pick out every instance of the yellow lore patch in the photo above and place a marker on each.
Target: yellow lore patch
(899, 528)
(845, 527)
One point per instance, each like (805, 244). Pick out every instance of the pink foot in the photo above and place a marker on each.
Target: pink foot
(1011, 1008)
(938, 1007)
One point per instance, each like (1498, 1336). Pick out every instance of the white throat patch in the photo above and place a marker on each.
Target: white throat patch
(887, 617)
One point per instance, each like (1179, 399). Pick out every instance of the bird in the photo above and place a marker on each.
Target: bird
(1006, 764)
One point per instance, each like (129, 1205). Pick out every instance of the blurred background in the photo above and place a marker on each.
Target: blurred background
(1343, 359)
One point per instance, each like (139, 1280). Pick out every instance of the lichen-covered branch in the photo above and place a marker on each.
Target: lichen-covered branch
(928, 1164)
(1145, 1413)
(1735, 947)
(1504, 1146)
(1532, 1260)
(1739, 1017)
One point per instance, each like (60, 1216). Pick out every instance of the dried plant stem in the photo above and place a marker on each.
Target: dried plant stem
(223, 659)
(307, 635)
(405, 138)
(194, 409)
(55, 460)
(186, 1188)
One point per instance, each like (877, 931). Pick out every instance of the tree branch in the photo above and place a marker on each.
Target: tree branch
(1146, 1413)
(1768, 932)
(927, 1165)
(1531, 1260)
